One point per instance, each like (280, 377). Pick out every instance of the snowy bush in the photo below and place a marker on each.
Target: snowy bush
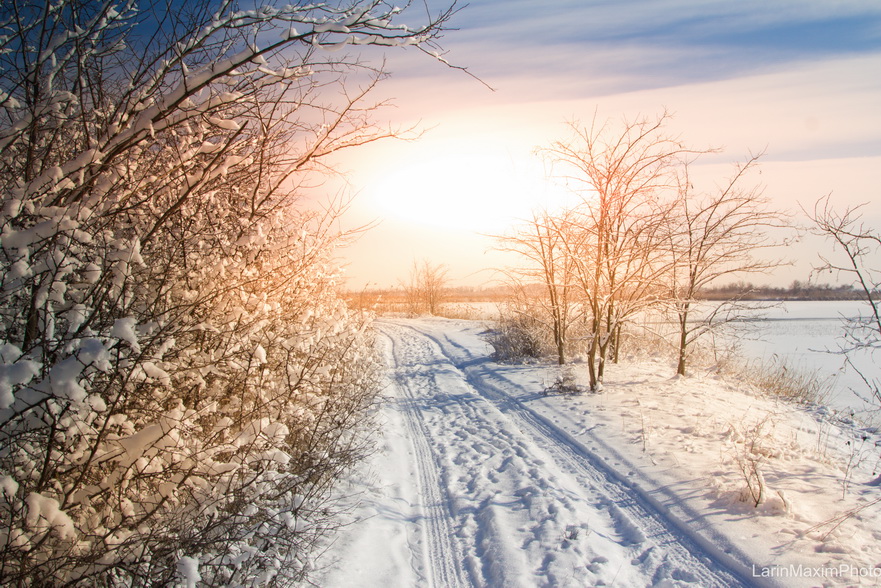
(179, 382)
(565, 382)
(517, 336)
(752, 447)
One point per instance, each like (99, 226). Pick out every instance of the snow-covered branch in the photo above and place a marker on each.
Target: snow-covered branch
(180, 383)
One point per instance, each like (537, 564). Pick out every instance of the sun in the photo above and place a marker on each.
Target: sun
(470, 188)
(452, 191)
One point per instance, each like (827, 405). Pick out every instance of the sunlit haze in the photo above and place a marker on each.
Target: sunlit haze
(798, 82)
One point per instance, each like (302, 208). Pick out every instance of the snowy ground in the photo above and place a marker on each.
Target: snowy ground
(482, 479)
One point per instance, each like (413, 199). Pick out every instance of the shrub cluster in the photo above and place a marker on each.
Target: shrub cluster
(180, 384)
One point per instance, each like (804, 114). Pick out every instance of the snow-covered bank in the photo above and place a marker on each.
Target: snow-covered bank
(803, 335)
(482, 479)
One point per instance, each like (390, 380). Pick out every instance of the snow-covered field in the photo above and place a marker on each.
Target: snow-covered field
(483, 479)
(807, 335)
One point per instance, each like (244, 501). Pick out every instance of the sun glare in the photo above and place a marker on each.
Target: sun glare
(474, 190)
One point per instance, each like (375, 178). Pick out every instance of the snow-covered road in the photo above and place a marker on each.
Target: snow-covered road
(473, 487)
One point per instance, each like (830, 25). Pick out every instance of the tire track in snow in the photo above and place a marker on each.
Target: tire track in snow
(500, 498)
(440, 557)
(664, 546)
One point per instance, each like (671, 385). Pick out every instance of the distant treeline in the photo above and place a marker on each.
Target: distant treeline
(395, 299)
(796, 291)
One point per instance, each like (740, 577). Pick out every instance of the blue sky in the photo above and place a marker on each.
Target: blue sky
(680, 40)
(798, 79)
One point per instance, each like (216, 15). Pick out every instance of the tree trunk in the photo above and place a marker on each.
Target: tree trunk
(601, 359)
(559, 341)
(591, 365)
(683, 340)
(616, 344)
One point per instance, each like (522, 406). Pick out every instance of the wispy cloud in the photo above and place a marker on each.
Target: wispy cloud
(643, 43)
(800, 76)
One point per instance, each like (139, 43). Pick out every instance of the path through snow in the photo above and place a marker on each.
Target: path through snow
(474, 488)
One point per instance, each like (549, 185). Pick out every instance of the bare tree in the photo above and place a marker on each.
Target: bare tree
(179, 378)
(858, 246)
(426, 287)
(549, 263)
(711, 236)
(621, 173)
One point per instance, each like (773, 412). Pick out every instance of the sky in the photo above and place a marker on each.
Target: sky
(799, 80)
